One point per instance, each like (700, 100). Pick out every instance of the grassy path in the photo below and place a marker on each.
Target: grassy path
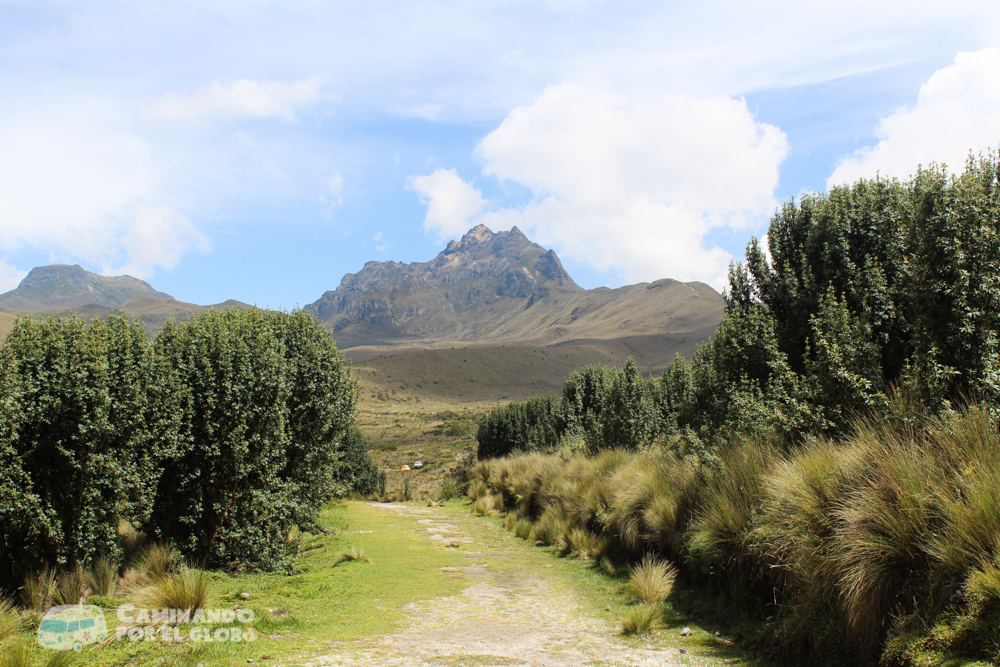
(517, 604)
(443, 587)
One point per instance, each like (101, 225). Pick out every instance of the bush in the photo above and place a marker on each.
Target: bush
(223, 499)
(357, 472)
(85, 419)
(531, 425)
(324, 456)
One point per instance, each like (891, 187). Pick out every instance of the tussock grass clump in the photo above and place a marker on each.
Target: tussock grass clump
(187, 589)
(158, 560)
(487, 504)
(21, 654)
(449, 489)
(70, 587)
(651, 581)
(642, 619)
(10, 619)
(552, 526)
(352, 553)
(36, 592)
(102, 577)
(523, 528)
(481, 471)
(476, 490)
(840, 547)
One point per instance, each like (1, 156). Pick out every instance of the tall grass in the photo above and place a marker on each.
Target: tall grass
(651, 580)
(102, 577)
(10, 619)
(185, 590)
(157, 560)
(834, 547)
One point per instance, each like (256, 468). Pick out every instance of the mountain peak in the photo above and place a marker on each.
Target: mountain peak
(483, 269)
(71, 286)
(478, 234)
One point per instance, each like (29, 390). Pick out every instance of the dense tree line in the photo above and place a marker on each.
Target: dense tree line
(874, 299)
(220, 437)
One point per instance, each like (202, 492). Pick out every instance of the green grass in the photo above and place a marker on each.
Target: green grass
(317, 605)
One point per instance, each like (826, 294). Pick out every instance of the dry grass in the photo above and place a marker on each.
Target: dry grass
(71, 587)
(102, 577)
(158, 560)
(20, 653)
(642, 619)
(36, 592)
(487, 504)
(651, 581)
(10, 619)
(352, 553)
(186, 590)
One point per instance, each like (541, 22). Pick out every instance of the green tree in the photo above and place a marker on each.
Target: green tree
(82, 441)
(223, 499)
(321, 404)
(629, 419)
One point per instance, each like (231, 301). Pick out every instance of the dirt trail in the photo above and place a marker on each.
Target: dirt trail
(507, 615)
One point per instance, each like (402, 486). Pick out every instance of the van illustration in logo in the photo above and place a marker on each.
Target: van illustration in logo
(72, 626)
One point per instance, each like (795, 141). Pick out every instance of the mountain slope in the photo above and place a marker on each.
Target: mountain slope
(502, 289)
(70, 286)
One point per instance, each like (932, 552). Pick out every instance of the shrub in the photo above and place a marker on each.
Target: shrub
(357, 472)
(519, 426)
(228, 498)
(86, 418)
(323, 456)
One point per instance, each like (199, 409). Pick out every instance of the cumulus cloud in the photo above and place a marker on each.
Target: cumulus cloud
(10, 276)
(243, 98)
(628, 187)
(957, 110)
(74, 184)
(155, 236)
(451, 202)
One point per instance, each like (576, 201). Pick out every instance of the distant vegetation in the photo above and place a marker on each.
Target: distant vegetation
(828, 461)
(219, 438)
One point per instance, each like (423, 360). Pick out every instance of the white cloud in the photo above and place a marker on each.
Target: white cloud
(451, 202)
(243, 98)
(630, 187)
(75, 184)
(155, 236)
(10, 276)
(957, 110)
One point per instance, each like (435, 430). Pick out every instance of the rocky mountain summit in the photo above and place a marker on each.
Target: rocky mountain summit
(425, 297)
(501, 288)
(70, 286)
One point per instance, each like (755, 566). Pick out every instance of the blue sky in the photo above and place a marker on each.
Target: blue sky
(259, 150)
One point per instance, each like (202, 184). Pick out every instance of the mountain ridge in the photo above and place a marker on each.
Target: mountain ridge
(70, 286)
(502, 289)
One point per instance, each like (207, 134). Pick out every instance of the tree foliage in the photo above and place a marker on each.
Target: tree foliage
(222, 436)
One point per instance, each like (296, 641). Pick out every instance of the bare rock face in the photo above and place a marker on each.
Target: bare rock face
(444, 295)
